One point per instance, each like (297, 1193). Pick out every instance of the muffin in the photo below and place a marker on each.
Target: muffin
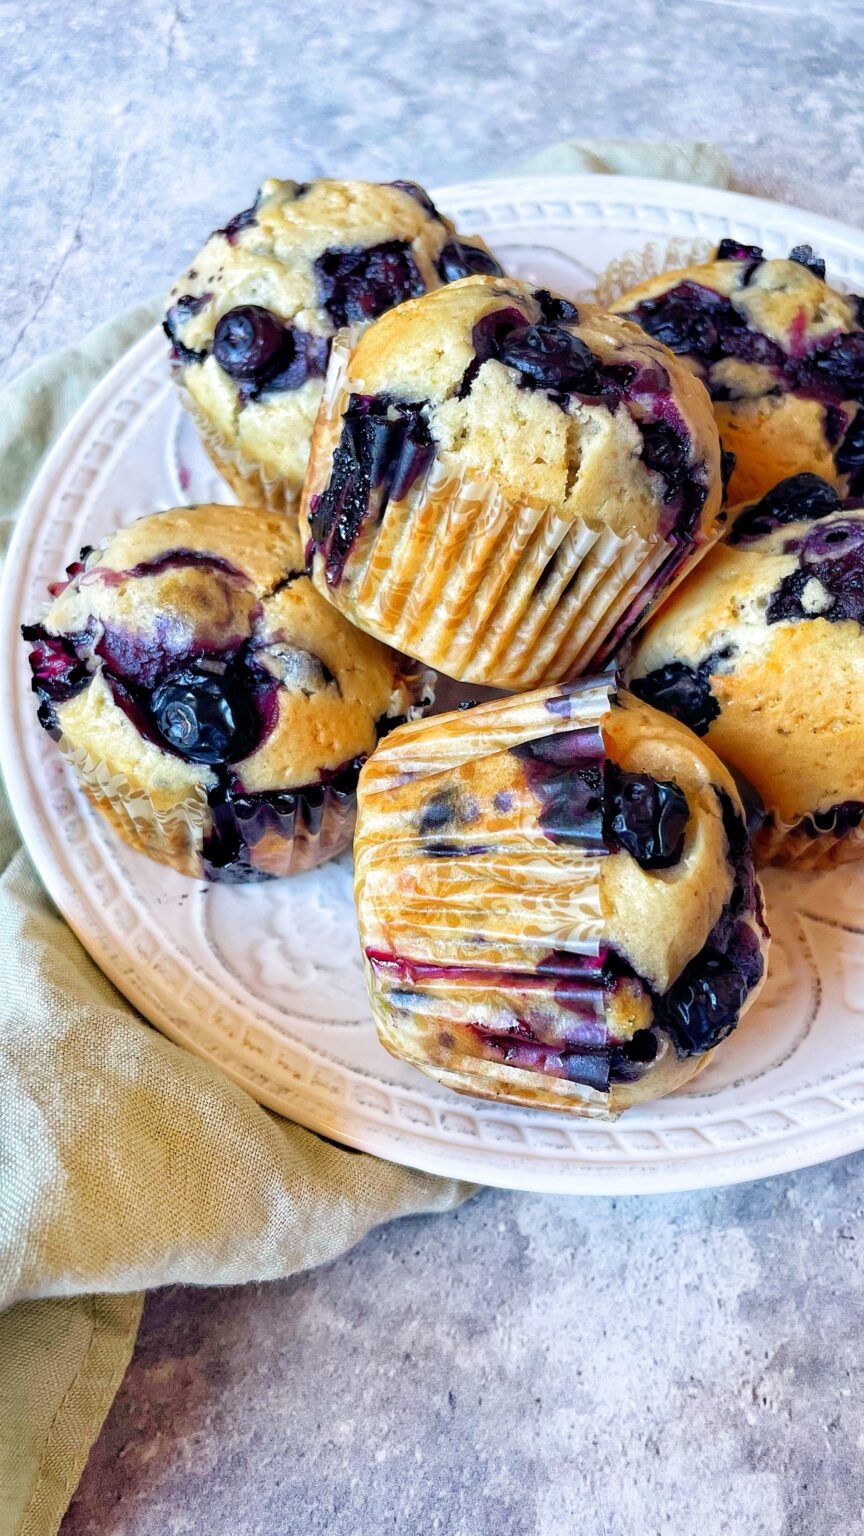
(556, 899)
(503, 484)
(782, 355)
(251, 320)
(761, 651)
(214, 707)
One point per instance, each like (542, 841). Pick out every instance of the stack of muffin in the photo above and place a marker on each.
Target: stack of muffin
(444, 470)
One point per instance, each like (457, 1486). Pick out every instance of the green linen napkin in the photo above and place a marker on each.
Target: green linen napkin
(125, 1162)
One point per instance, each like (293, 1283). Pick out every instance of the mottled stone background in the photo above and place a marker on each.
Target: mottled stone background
(527, 1366)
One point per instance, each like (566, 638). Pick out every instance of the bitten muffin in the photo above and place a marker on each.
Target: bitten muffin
(215, 708)
(761, 651)
(782, 355)
(503, 484)
(252, 319)
(556, 898)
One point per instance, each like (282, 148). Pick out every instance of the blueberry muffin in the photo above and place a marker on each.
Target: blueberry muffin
(252, 319)
(215, 708)
(503, 484)
(556, 898)
(761, 651)
(782, 355)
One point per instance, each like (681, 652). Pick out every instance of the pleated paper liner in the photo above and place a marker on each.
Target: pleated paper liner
(789, 845)
(315, 823)
(457, 912)
(636, 267)
(486, 589)
(172, 835)
(251, 484)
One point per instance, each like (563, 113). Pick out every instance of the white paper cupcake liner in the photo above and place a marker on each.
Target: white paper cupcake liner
(787, 844)
(482, 587)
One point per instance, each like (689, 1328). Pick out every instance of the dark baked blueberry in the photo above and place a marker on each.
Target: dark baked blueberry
(727, 469)
(798, 499)
(835, 558)
(551, 358)
(665, 451)
(459, 258)
(849, 457)
(361, 283)
(240, 221)
(681, 691)
(841, 363)
(733, 250)
(419, 194)
(839, 819)
(248, 341)
(646, 817)
(303, 356)
(384, 444)
(703, 1005)
(806, 257)
(58, 672)
(554, 309)
(187, 305)
(688, 319)
(204, 716)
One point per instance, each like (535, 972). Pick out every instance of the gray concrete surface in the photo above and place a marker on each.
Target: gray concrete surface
(606, 1368)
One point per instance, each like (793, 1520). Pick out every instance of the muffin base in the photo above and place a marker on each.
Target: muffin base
(249, 482)
(541, 597)
(790, 847)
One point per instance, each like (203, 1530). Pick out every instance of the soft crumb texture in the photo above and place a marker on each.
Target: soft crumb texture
(270, 257)
(219, 595)
(786, 691)
(571, 453)
(777, 348)
(501, 484)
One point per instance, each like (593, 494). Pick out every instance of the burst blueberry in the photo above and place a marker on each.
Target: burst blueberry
(203, 716)
(647, 817)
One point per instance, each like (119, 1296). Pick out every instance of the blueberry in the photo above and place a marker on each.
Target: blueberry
(733, 250)
(805, 257)
(551, 358)
(303, 356)
(58, 672)
(727, 469)
(646, 817)
(419, 194)
(383, 444)
(459, 258)
(841, 575)
(187, 305)
(663, 450)
(203, 716)
(849, 457)
(839, 819)
(842, 363)
(361, 283)
(687, 319)
(703, 1006)
(681, 691)
(240, 221)
(554, 309)
(798, 499)
(248, 342)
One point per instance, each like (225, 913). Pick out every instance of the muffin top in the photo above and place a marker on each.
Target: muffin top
(761, 649)
(591, 860)
(560, 406)
(251, 319)
(757, 329)
(193, 642)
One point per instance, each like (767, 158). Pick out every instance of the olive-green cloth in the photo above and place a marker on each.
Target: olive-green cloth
(126, 1162)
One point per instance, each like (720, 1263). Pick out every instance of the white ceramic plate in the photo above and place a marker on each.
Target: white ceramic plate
(266, 980)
